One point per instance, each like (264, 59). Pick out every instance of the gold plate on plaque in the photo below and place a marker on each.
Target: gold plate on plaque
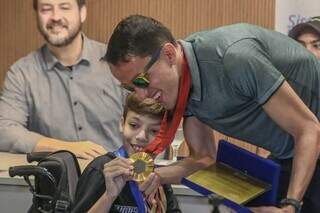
(142, 166)
(229, 183)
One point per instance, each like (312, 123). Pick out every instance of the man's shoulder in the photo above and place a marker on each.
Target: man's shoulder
(215, 42)
(96, 43)
(31, 60)
(97, 46)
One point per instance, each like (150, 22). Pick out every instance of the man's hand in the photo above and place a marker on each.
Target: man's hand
(116, 173)
(272, 209)
(202, 153)
(86, 150)
(150, 186)
(83, 149)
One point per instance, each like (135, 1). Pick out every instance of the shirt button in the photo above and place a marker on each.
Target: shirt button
(71, 78)
(80, 128)
(75, 103)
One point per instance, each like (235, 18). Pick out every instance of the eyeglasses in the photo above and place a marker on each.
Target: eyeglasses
(141, 80)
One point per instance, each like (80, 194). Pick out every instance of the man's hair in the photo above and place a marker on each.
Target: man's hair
(79, 2)
(147, 106)
(137, 35)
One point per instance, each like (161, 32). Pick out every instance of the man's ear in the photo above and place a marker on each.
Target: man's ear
(83, 13)
(121, 125)
(170, 51)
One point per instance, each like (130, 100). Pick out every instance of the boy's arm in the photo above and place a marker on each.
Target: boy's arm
(116, 173)
(102, 205)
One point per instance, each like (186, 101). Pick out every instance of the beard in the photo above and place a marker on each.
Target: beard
(57, 40)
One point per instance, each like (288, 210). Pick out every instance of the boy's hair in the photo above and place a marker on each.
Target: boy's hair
(79, 2)
(137, 35)
(147, 106)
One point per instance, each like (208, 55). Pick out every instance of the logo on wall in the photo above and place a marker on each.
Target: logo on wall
(292, 12)
(295, 19)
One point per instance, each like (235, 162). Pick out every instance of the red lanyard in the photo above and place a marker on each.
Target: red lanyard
(167, 133)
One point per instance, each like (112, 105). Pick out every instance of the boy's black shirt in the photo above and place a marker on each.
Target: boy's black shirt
(91, 187)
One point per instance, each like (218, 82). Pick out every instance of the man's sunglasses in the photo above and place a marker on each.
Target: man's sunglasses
(141, 80)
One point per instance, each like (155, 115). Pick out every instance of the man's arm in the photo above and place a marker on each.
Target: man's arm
(291, 114)
(82, 149)
(14, 117)
(202, 154)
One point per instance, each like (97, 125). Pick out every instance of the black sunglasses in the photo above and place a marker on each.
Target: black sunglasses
(141, 80)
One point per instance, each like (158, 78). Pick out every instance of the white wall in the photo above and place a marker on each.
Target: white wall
(292, 12)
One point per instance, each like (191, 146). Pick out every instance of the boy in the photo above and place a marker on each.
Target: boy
(308, 34)
(106, 184)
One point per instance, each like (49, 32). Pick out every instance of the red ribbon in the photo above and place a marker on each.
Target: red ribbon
(166, 134)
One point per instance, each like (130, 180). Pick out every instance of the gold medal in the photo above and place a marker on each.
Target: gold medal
(142, 166)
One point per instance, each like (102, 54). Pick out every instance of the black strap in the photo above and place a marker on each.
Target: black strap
(291, 202)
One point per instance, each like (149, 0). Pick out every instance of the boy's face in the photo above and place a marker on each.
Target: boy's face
(311, 41)
(138, 131)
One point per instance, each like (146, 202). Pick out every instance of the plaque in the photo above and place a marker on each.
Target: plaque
(229, 183)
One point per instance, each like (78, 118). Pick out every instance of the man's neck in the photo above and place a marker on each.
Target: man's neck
(70, 54)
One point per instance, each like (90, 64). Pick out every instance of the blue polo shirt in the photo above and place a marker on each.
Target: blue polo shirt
(235, 69)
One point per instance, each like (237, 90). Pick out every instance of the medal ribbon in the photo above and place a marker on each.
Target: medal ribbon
(167, 133)
(136, 193)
